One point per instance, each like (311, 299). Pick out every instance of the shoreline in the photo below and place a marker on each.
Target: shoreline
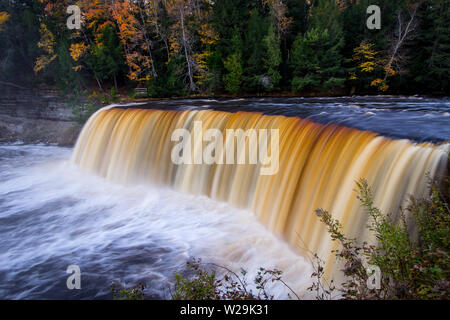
(44, 116)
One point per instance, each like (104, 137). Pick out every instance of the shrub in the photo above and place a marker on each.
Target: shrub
(207, 285)
(114, 94)
(411, 267)
(82, 113)
(119, 292)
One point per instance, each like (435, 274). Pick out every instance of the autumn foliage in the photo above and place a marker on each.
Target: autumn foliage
(180, 47)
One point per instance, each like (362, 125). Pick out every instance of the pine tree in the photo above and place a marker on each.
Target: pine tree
(254, 70)
(233, 79)
(430, 61)
(316, 57)
(272, 59)
(233, 64)
(107, 56)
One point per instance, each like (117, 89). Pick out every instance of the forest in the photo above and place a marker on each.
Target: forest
(227, 47)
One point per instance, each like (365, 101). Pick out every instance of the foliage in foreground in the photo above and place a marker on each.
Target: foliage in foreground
(207, 285)
(413, 266)
(119, 292)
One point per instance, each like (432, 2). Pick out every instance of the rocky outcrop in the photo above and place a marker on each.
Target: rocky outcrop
(36, 116)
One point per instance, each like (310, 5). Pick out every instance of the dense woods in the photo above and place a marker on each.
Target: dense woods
(235, 47)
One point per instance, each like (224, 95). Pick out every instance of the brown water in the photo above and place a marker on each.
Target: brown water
(113, 206)
(318, 167)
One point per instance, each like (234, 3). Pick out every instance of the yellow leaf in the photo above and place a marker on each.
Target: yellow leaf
(4, 16)
(77, 50)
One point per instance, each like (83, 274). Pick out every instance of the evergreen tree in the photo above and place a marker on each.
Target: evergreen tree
(430, 62)
(227, 16)
(233, 64)
(316, 56)
(254, 45)
(19, 35)
(233, 79)
(272, 59)
(106, 59)
(66, 78)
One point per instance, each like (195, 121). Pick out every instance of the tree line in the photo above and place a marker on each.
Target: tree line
(236, 47)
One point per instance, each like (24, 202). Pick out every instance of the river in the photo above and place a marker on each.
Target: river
(53, 215)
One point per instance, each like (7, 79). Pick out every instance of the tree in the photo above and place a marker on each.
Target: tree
(367, 65)
(254, 45)
(68, 80)
(278, 13)
(19, 34)
(227, 18)
(180, 39)
(232, 80)
(4, 16)
(106, 58)
(207, 40)
(132, 33)
(395, 60)
(177, 47)
(233, 64)
(47, 44)
(272, 59)
(316, 57)
(430, 59)
(277, 31)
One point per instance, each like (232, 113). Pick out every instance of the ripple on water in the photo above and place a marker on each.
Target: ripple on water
(53, 216)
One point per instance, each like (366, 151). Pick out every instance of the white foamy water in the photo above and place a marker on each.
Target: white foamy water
(53, 216)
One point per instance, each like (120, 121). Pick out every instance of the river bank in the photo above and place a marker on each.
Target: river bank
(46, 116)
(36, 116)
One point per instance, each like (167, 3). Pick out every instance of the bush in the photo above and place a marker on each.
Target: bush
(84, 107)
(411, 267)
(206, 285)
(119, 292)
(114, 94)
(82, 113)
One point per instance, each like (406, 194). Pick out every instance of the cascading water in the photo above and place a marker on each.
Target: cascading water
(318, 167)
(53, 215)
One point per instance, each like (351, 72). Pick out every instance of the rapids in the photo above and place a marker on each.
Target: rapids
(124, 212)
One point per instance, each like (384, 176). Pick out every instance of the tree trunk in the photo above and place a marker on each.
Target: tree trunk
(401, 38)
(147, 42)
(185, 44)
(99, 83)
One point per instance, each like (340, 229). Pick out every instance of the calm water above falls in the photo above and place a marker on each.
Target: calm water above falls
(418, 118)
(52, 215)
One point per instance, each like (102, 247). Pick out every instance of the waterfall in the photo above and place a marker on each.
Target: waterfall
(318, 167)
